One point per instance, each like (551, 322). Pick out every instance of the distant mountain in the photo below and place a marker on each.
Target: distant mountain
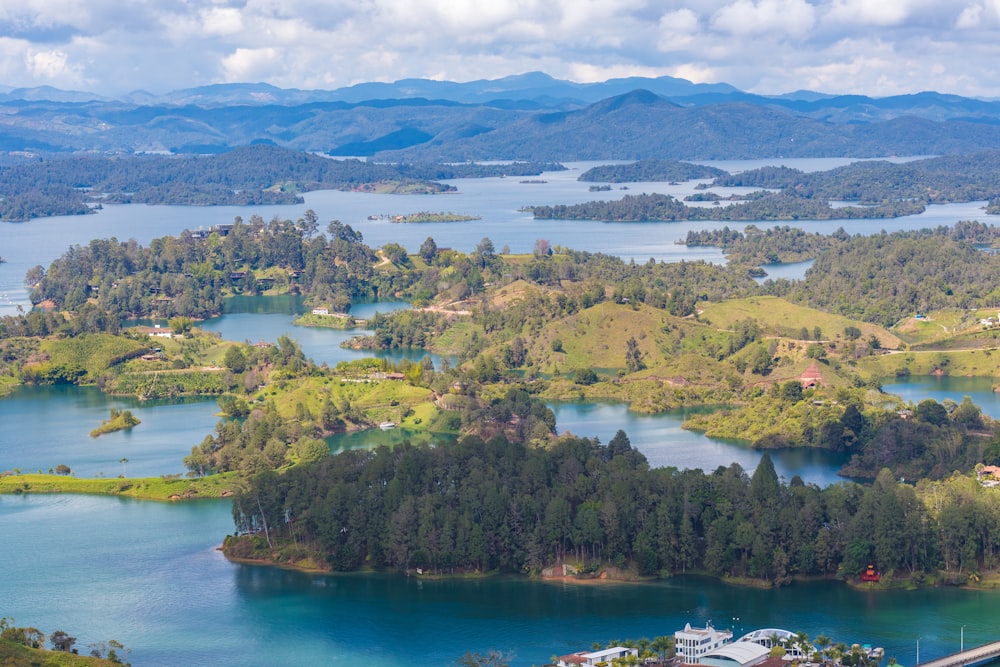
(642, 125)
(536, 87)
(528, 116)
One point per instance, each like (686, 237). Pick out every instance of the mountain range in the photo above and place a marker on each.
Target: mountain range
(528, 116)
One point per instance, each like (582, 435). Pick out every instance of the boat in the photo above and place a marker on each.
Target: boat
(387, 426)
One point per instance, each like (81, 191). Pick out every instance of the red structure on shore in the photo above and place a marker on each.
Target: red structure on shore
(870, 574)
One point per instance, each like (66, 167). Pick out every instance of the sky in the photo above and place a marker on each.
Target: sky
(870, 47)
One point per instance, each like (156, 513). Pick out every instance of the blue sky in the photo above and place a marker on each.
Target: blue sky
(871, 47)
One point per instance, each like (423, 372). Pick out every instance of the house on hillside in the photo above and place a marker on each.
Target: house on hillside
(811, 378)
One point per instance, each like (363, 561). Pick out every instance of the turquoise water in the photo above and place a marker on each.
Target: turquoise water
(497, 201)
(664, 443)
(266, 318)
(44, 427)
(148, 575)
(921, 387)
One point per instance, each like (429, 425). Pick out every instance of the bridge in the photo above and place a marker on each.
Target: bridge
(973, 655)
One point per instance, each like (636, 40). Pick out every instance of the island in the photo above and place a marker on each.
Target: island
(793, 363)
(120, 420)
(425, 216)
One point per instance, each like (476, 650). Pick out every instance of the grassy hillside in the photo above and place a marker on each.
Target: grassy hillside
(781, 318)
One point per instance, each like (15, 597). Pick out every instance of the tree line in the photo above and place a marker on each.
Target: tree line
(252, 175)
(493, 505)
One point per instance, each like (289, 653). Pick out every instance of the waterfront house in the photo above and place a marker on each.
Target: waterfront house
(592, 658)
(692, 644)
(737, 654)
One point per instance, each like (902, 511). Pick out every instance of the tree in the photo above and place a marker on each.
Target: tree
(816, 351)
(396, 254)
(931, 412)
(489, 659)
(180, 324)
(61, 641)
(235, 360)
(308, 224)
(34, 275)
(633, 356)
(542, 248)
(428, 250)
(585, 376)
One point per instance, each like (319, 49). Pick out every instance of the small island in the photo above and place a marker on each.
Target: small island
(119, 421)
(425, 216)
(322, 317)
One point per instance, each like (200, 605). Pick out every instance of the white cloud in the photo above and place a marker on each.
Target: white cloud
(678, 30)
(867, 12)
(794, 18)
(251, 64)
(979, 15)
(762, 45)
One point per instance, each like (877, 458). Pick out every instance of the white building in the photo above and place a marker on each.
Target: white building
(737, 654)
(589, 659)
(771, 637)
(694, 643)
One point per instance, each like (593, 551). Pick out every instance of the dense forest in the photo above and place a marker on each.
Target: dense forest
(884, 277)
(649, 170)
(755, 247)
(252, 175)
(767, 206)
(938, 180)
(493, 505)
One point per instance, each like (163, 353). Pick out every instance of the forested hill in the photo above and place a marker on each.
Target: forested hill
(642, 125)
(933, 180)
(259, 174)
(634, 125)
(495, 505)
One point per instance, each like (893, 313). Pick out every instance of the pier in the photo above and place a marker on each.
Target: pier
(968, 657)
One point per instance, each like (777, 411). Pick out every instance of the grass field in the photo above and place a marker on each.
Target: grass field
(781, 318)
(145, 488)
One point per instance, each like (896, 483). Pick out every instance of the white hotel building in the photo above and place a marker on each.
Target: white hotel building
(693, 643)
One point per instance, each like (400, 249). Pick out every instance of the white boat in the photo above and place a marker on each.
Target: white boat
(387, 426)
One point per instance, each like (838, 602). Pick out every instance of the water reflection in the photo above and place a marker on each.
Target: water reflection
(664, 443)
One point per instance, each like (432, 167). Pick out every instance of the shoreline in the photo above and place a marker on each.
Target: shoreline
(139, 488)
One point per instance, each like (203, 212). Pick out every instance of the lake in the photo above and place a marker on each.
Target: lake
(917, 388)
(496, 200)
(148, 575)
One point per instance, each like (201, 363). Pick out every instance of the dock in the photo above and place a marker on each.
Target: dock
(967, 657)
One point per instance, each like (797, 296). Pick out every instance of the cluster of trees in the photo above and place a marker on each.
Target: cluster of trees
(189, 275)
(769, 206)
(496, 505)
(754, 246)
(13, 637)
(649, 171)
(884, 277)
(950, 178)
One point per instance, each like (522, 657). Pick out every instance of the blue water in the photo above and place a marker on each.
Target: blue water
(44, 427)
(665, 444)
(496, 200)
(254, 319)
(148, 575)
(921, 387)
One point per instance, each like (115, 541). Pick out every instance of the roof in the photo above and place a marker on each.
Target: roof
(767, 633)
(741, 652)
